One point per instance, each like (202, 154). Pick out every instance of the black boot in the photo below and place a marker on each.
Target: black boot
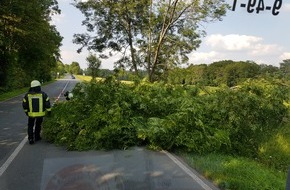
(31, 141)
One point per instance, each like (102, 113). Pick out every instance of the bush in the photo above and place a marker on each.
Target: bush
(250, 114)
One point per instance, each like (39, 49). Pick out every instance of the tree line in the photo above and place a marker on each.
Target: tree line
(29, 44)
(62, 69)
(226, 72)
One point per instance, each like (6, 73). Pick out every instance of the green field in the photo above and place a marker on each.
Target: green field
(89, 78)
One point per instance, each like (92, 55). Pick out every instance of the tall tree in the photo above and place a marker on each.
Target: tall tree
(60, 67)
(162, 31)
(177, 32)
(74, 68)
(9, 30)
(117, 25)
(94, 64)
(29, 45)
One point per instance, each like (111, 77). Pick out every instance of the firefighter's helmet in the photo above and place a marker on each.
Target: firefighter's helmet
(35, 83)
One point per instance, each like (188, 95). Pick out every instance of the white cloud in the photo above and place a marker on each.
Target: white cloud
(237, 48)
(203, 57)
(251, 45)
(232, 42)
(69, 56)
(264, 49)
(285, 55)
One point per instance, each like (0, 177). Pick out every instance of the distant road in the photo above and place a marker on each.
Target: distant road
(43, 166)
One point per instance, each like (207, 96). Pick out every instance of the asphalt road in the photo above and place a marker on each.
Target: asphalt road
(43, 166)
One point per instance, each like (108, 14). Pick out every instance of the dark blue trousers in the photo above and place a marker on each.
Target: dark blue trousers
(34, 123)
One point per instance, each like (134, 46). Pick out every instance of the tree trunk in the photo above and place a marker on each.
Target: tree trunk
(165, 27)
(132, 51)
(149, 41)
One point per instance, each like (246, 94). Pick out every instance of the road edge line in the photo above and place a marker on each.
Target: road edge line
(187, 171)
(56, 100)
(12, 156)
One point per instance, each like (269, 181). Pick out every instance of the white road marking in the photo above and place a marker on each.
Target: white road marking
(20, 146)
(12, 156)
(56, 100)
(188, 171)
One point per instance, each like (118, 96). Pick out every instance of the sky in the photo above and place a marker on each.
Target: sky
(240, 36)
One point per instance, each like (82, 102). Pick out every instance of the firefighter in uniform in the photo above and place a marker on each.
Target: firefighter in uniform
(35, 104)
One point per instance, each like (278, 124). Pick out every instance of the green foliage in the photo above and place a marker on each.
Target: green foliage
(86, 121)
(275, 151)
(285, 68)
(227, 72)
(116, 29)
(94, 64)
(7, 95)
(115, 136)
(109, 114)
(74, 68)
(161, 133)
(200, 131)
(28, 43)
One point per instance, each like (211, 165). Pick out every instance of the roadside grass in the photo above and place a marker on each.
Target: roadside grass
(17, 92)
(268, 171)
(13, 93)
(236, 173)
(275, 153)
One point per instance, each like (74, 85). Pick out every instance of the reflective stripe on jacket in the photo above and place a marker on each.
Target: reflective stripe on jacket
(36, 104)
